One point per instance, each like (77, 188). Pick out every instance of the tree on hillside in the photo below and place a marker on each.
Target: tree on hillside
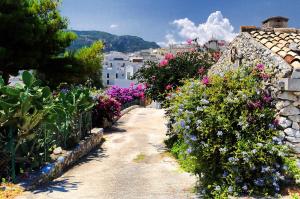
(76, 67)
(32, 33)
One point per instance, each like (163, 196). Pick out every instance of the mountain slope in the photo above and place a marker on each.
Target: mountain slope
(112, 42)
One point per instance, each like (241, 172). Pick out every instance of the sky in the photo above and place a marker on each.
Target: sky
(175, 21)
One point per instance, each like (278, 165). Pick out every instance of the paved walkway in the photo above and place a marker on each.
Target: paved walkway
(131, 164)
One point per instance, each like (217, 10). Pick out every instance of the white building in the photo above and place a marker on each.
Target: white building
(119, 68)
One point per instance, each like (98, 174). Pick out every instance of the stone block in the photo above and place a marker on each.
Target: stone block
(281, 104)
(296, 126)
(287, 96)
(57, 151)
(295, 118)
(97, 131)
(296, 148)
(296, 73)
(290, 132)
(289, 84)
(284, 123)
(289, 110)
(292, 139)
(297, 103)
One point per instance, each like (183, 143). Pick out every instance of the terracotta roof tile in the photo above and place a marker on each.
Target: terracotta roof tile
(292, 53)
(269, 44)
(277, 38)
(289, 59)
(283, 35)
(277, 33)
(296, 64)
(259, 36)
(282, 53)
(275, 49)
(283, 42)
(279, 43)
(286, 49)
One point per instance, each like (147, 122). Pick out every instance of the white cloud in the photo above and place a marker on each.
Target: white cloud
(114, 26)
(169, 39)
(216, 26)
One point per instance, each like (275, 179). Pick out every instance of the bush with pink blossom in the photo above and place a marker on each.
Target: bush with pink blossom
(106, 109)
(126, 95)
(167, 75)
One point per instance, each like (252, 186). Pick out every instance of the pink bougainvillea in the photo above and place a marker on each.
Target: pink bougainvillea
(169, 87)
(163, 63)
(169, 56)
(189, 41)
(205, 80)
(124, 95)
(260, 67)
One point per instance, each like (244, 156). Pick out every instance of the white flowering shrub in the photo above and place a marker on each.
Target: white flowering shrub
(225, 127)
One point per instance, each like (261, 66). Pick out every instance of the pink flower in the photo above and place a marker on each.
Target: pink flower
(205, 80)
(260, 67)
(163, 63)
(267, 98)
(189, 41)
(276, 122)
(153, 78)
(169, 56)
(201, 70)
(264, 76)
(169, 87)
(255, 105)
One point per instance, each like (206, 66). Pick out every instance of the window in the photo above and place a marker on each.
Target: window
(128, 75)
(107, 82)
(107, 75)
(117, 75)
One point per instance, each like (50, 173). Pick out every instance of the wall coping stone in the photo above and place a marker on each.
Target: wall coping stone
(53, 170)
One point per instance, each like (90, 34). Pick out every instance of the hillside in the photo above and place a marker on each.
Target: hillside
(112, 42)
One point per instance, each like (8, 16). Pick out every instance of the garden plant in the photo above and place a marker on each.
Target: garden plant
(160, 79)
(224, 129)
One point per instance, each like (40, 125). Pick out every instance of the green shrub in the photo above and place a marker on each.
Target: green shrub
(162, 78)
(33, 121)
(227, 126)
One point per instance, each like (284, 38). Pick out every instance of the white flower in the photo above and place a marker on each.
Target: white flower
(204, 101)
(219, 133)
(199, 108)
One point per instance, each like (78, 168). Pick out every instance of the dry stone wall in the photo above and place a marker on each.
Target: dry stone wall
(285, 88)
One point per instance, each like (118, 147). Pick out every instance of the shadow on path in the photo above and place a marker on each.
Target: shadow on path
(114, 129)
(62, 185)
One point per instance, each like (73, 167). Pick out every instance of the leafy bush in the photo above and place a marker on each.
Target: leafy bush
(125, 95)
(107, 108)
(161, 78)
(226, 127)
(34, 121)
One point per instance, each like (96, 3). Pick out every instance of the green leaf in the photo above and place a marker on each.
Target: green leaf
(10, 91)
(27, 78)
(1, 81)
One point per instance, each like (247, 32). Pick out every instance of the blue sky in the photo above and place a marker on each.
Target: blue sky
(164, 20)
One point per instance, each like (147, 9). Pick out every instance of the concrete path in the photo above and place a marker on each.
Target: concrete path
(131, 164)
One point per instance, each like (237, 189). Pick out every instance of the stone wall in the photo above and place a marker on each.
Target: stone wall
(284, 89)
(62, 162)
